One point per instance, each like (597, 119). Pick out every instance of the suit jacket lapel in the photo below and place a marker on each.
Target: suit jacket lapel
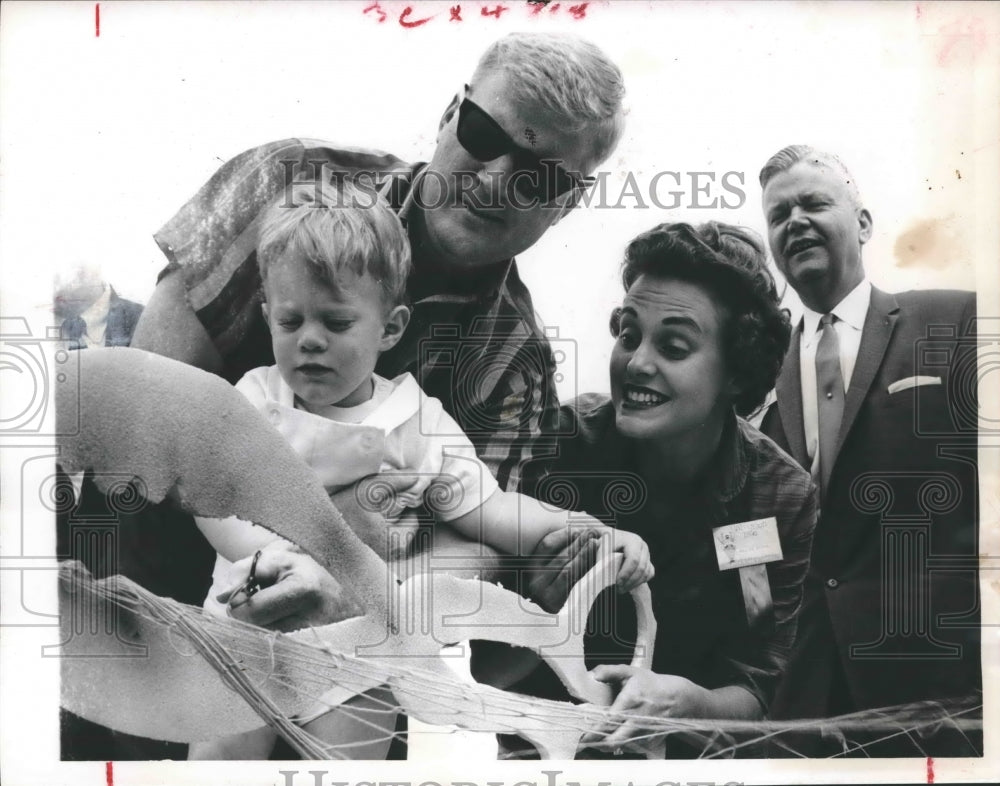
(788, 389)
(117, 330)
(879, 324)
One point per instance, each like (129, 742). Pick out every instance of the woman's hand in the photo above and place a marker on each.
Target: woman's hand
(644, 696)
(295, 591)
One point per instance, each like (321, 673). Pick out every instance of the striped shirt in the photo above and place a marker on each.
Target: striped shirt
(479, 350)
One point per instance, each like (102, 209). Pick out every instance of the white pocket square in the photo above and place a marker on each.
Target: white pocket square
(912, 382)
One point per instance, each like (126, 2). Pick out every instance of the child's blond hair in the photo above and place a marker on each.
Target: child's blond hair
(338, 228)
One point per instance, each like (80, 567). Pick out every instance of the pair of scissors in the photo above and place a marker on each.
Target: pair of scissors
(251, 586)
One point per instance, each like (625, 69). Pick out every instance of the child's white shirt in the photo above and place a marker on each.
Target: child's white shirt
(399, 434)
(399, 430)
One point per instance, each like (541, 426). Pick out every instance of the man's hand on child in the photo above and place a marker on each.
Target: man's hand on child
(565, 555)
(562, 558)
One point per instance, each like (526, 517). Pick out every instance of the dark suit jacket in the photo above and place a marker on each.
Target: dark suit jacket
(122, 318)
(891, 594)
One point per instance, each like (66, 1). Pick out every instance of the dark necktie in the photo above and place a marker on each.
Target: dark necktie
(74, 331)
(829, 397)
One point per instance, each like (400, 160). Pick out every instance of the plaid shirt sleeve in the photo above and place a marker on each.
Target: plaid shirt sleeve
(212, 239)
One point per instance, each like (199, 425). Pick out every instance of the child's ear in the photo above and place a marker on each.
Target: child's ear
(395, 324)
(267, 314)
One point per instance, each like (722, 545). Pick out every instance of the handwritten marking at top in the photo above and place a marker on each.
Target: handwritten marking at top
(375, 11)
(406, 12)
(378, 10)
(495, 12)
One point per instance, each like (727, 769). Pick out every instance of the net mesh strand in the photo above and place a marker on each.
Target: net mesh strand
(252, 661)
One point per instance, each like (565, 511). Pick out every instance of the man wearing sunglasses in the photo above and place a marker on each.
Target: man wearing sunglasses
(514, 147)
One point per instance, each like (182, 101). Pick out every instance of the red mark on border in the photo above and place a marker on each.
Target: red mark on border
(97, 20)
(378, 10)
(930, 770)
(109, 773)
(406, 13)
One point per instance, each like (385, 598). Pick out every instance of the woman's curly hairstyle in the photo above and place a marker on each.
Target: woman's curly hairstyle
(730, 262)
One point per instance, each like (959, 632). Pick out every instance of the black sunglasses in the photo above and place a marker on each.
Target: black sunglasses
(535, 178)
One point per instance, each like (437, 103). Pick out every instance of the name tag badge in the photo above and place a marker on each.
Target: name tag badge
(749, 546)
(747, 543)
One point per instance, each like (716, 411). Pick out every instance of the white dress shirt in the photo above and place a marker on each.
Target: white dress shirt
(850, 316)
(96, 319)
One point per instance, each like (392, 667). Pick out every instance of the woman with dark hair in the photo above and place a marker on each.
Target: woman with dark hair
(727, 515)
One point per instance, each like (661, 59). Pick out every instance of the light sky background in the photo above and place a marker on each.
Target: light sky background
(103, 138)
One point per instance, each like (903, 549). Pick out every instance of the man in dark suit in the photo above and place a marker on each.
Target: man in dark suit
(91, 312)
(877, 398)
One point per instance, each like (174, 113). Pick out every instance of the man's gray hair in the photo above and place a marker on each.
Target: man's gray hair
(789, 156)
(571, 77)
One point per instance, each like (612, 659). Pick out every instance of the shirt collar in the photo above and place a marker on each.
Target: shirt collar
(97, 312)
(852, 311)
